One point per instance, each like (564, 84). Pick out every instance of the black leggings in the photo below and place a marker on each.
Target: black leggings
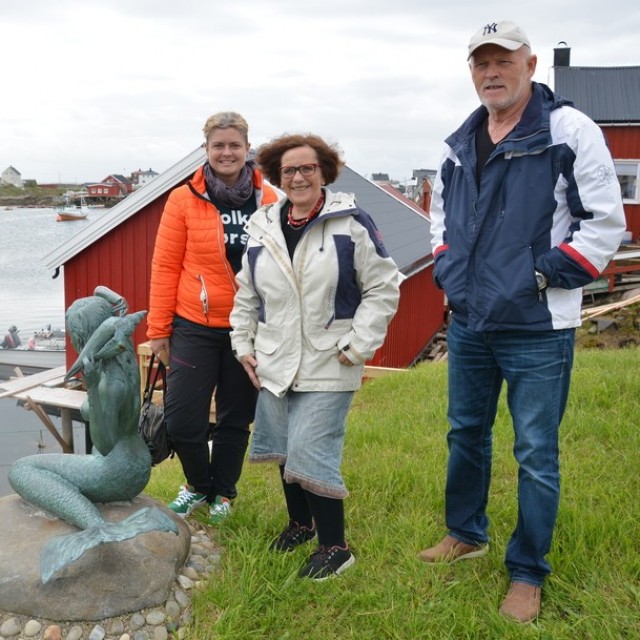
(305, 508)
(201, 361)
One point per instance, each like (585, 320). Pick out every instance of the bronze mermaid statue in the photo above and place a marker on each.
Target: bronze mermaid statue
(70, 485)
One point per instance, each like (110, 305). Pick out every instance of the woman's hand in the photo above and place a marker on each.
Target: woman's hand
(250, 363)
(160, 346)
(342, 359)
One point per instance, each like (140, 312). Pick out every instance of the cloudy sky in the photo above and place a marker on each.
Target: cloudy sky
(93, 87)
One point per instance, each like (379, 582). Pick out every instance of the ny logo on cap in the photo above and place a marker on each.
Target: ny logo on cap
(490, 28)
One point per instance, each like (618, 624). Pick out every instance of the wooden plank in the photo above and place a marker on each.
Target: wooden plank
(28, 382)
(61, 398)
(593, 312)
(377, 372)
(37, 409)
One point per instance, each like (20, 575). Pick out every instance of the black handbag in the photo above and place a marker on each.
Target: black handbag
(152, 426)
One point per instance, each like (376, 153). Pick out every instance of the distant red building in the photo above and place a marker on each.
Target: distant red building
(113, 186)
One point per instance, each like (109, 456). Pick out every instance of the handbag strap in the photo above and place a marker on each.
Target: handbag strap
(152, 379)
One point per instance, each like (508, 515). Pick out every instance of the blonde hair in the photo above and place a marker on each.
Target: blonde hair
(226, 120)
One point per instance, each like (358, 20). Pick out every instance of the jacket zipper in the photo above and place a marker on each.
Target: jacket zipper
(204, 298)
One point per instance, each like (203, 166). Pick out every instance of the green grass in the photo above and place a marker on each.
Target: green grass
(394, 466)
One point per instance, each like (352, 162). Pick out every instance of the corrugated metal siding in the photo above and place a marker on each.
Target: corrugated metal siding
(420, 315)
(624, 143)
(605, 94)
(120, 260)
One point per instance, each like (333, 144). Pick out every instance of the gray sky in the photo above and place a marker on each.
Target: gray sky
(93, 87)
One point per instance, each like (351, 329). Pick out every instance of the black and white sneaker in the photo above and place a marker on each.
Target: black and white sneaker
(327, 562)
(293, 536)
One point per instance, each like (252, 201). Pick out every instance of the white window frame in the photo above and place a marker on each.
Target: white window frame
(622, 170)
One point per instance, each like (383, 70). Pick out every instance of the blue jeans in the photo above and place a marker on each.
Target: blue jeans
(536, 366)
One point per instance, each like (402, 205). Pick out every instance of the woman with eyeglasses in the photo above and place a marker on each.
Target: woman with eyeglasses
(316, 292)
(197, 253)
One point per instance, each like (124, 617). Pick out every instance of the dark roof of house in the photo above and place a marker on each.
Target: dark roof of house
(605, 94)
(121, 178)
(406, 233)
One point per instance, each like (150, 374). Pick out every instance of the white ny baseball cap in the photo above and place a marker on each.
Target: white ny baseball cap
(505, 34)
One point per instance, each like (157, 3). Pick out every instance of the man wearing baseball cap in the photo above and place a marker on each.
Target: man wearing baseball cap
(526, 210)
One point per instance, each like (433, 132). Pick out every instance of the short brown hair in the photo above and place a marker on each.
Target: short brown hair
(270, 155)
(226, 120)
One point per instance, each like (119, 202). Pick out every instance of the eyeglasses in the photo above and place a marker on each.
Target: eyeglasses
(305, 170)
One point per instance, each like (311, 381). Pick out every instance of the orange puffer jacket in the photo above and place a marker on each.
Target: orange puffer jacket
(190, 274)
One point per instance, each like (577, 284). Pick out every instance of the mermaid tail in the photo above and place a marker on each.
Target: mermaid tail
(63, 550)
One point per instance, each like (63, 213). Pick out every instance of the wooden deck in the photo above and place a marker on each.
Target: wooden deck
(45, 389)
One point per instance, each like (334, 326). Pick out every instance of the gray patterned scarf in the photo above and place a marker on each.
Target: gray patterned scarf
(234, 196)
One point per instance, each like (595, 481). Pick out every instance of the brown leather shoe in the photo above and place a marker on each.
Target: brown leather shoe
(522, 602)
(450, 549)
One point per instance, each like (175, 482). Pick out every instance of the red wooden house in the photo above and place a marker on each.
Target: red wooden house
(113, 186)
(115, 250)
(610, 96)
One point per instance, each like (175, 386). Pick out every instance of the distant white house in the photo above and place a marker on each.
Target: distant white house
(140, 178)
(11, 176)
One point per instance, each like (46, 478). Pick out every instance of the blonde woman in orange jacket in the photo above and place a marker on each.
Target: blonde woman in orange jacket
(198, 251)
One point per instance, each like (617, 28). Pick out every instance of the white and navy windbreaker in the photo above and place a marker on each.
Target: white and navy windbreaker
(549, 200)
(341, 288)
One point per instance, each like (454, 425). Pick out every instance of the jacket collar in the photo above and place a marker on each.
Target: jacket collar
(530, 134)
(336, 204)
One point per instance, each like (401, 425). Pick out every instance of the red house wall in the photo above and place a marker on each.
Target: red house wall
(121, 260)
(102, 190)
(624, 143)
(421, 313)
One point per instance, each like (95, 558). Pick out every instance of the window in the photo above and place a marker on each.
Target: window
(628, 172)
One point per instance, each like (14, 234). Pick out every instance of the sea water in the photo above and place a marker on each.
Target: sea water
(32, 299)
(31, 295)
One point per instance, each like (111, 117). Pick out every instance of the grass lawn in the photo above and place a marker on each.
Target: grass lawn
(394, 466)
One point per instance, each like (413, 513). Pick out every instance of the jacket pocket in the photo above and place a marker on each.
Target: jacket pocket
(267, 340)
(325, 340)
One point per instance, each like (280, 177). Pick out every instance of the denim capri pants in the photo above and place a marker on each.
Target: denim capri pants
(304, 431)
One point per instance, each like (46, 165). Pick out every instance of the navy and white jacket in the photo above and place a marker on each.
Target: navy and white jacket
(549, 200)
(294, 316)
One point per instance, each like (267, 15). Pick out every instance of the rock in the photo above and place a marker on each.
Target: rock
(632, 293)
(108, 580)
(75, 633)
(603, 324)
(32, 628)
(54, 632)
(97, 633)
(10, 628)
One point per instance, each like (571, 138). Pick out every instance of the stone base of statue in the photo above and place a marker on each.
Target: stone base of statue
(109, 580)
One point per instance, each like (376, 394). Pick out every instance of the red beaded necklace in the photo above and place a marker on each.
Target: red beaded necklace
(297, 224)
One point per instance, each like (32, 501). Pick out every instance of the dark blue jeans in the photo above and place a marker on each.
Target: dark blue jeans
(537, 369)
(202, 361)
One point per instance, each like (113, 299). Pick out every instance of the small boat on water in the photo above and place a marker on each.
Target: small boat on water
(44, 350)
(68, 211)
(30, 360)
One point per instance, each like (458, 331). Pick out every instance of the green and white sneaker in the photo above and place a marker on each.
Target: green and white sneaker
(187, 501)
(219, 510)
